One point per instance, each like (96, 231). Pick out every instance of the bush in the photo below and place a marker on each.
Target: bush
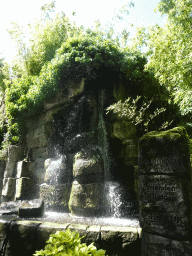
(68, 244)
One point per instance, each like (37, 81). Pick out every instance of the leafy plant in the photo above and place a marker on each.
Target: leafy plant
(171, 47)
(68, 244)
(131, 111)
(78, 57)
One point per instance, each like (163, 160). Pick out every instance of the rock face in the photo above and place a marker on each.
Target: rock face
(165, 192)
(66, 157)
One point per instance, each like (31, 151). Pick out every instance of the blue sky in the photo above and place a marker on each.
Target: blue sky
(87, 11)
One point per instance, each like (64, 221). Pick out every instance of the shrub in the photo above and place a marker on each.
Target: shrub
(68, 244)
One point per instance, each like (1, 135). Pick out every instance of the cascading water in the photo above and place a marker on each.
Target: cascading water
(73, 135)
(55, 167)
(55, 190)
(102, 136)
(114, 199)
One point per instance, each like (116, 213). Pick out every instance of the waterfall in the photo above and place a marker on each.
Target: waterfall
(102, 136)
(56, 166)
(55, 191)
(114, 199)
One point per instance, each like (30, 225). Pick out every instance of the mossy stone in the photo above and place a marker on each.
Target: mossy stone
(165, 152)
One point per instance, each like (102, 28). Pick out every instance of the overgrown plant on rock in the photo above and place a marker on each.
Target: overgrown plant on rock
(90, 54)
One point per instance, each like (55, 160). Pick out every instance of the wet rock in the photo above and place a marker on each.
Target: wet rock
(88, 166)
(87, 199)
(56, 197)
(22, 237)
(31, 208)
(120, 240)
(74, 143)
(57, 170)
(12, 207)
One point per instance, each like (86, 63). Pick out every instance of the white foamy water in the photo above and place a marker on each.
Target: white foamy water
(114, 199)
(68, 218)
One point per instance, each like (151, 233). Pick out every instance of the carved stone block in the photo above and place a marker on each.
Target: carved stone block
(165, 153)
(25, 188)
(22, 170)
(8, 187)
(15, 154)
(164, 203)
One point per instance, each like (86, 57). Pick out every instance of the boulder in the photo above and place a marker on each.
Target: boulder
(87, 199)
(124, 130)
(88, 166)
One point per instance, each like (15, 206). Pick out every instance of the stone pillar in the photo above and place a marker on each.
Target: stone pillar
(87, 192)
(165, 201)
(15, 154)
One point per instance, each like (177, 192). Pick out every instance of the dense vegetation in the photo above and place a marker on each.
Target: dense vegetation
(169, 52)
(59, 53)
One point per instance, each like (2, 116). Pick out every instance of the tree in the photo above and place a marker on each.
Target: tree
(46, 35)
(171, 49)
(4, 74)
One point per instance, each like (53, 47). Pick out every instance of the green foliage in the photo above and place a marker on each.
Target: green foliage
(171, 48)
(68, 244)
(138, 114)
(4, 74)
(46, 35)
(78, 57)
(59, 53)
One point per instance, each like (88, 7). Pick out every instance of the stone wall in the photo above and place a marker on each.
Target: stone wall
(165, 193)
(24, 237)
(72, 132)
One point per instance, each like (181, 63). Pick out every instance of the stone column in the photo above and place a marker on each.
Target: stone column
(87, 192)
(15, 154)
(165, 201)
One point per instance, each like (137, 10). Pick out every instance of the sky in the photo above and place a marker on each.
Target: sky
(87, 11)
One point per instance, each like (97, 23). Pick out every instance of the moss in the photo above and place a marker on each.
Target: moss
(169, 135)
